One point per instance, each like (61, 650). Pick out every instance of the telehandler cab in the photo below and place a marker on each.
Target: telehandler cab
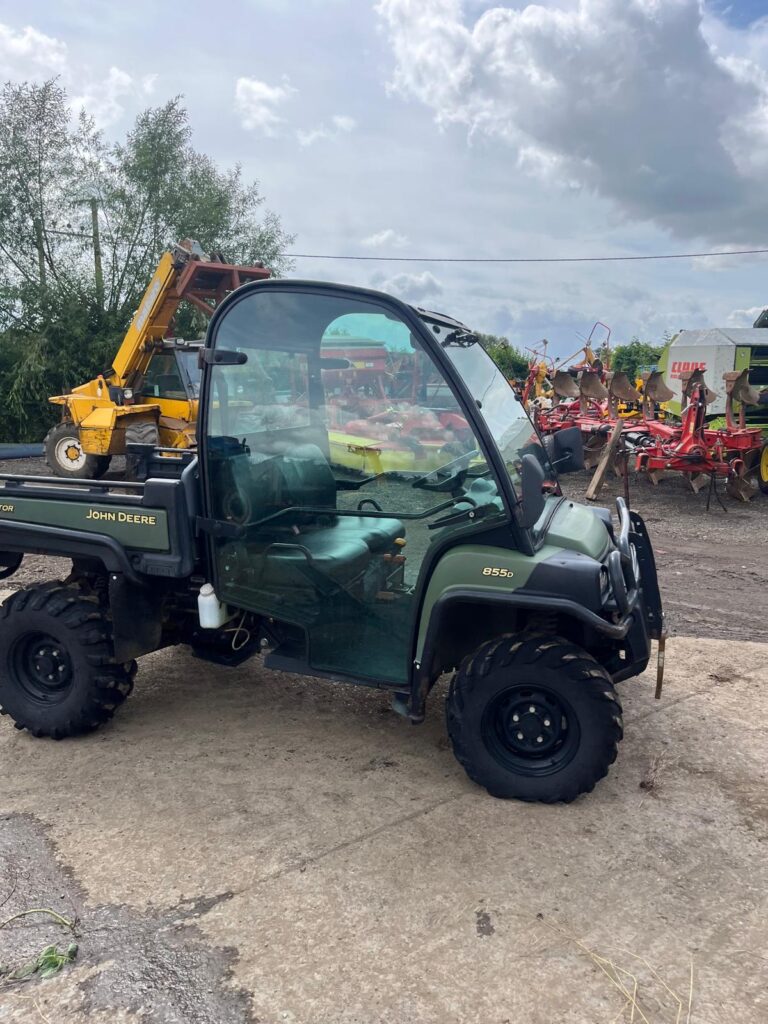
(258, 542)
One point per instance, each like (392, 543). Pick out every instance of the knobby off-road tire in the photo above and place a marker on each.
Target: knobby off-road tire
(57, 677)
(65, 456)
(144, 432)
(533, 717)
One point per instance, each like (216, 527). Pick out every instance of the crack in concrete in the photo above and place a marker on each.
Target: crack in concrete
(305, 862)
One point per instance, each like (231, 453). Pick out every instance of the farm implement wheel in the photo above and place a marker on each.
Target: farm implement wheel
(533, 717)
(57, 675)
(762, 470)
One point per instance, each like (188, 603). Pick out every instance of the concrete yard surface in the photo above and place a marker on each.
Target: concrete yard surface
(247, 846)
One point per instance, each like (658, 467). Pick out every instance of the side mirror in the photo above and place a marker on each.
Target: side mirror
(567, 454)
(532, 498)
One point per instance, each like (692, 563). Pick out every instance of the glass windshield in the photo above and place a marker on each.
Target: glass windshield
(505, 416)
(191, 368)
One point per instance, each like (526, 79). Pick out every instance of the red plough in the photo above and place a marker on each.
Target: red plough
(703, 454)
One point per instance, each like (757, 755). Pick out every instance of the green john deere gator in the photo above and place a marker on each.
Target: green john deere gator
(471, 560)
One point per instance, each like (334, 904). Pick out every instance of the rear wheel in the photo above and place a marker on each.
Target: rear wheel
(57, 676)
(534, 717)
(762, 470)
(65, 456)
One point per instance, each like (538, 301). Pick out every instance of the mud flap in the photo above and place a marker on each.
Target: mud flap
(660, 665)
(136, 611)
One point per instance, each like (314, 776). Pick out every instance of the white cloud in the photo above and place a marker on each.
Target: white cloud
(103, 100)
(344, 123)
(626, 98)
(744, 317)
(711, 264)
(341, 124)
(256, 101)
(388, 238)
(409, 287)
(29, 53)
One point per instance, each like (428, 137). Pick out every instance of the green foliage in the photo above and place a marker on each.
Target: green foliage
(47, 963)
(60, 323)
(510, 360)
(637, 353)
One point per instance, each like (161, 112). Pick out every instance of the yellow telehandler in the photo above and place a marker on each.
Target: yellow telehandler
(150, 393)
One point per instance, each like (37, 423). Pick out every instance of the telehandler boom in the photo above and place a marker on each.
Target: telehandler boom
(149, 394)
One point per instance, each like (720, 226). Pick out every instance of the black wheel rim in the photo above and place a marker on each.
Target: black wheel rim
(42, 668)
(530, 730)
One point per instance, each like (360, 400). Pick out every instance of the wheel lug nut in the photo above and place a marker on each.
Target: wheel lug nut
(520, 736)
(539, 739)
(547, 722)
(532, 709)
(515, 718)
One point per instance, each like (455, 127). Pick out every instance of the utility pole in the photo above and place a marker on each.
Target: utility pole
(40, 254)
(98, 269)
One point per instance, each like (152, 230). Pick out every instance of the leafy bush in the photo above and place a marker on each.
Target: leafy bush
(510, 360)
(83, 224)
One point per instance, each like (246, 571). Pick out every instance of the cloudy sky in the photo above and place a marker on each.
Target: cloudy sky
(443, 128)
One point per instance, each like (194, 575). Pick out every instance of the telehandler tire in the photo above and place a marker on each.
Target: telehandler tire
(57, 676)
(144, 432)
(65, 456)
(533, 717)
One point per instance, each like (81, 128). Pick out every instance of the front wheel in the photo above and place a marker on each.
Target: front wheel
(65, 456)
(533, 717)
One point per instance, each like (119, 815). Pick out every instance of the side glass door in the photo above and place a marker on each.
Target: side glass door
(341, 453)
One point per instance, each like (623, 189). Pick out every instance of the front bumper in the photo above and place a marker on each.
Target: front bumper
(635, 583)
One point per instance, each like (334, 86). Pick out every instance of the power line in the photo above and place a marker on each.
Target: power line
(524, 259)
(493, 259)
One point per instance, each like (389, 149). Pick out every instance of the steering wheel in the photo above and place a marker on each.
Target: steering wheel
(455, 517)
(447, 483)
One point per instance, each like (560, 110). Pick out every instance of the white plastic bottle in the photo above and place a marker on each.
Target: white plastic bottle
(213, 614)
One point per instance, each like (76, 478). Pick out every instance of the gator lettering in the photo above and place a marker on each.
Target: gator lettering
(7, 508)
